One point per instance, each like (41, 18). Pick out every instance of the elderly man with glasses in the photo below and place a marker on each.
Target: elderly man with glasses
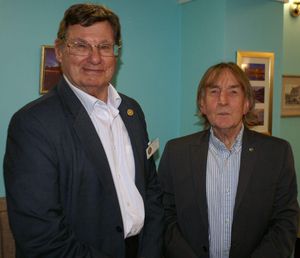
(78, 181)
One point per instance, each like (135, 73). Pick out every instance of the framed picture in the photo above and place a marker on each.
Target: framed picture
(290, 97)
(50, 71)
(259, 67)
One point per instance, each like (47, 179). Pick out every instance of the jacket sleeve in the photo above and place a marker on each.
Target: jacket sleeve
(280, 238)
(175, 245)
(31, 176)
(153, 225)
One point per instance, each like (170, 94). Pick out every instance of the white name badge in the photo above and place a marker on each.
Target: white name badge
(152, 148)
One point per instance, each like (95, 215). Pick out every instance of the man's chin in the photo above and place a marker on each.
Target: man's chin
(90, 83)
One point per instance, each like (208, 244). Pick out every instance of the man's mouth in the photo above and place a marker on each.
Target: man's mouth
(93, 70)
(223, 113)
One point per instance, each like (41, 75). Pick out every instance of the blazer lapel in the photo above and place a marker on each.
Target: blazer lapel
(132, 123)
(248, 157)
(198, 154)
(86, 133)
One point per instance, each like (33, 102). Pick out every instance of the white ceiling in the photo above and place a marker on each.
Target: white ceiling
(186, 1)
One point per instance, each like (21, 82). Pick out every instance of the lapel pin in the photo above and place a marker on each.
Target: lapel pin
(251, 149)
(130, 112)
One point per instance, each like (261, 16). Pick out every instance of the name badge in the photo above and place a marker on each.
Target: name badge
(153, 146)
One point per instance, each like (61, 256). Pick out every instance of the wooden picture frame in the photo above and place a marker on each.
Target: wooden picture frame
(259, 67)
(290, 97)
(50, 71)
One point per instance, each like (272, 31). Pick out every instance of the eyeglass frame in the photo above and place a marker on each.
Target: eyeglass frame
(116, 48)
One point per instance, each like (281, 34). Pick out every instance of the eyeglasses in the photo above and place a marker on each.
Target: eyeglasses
(81, 48)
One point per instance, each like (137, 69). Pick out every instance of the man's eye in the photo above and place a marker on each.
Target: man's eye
(234, 91)
(81, 45)
(213, 91)
(105, 47)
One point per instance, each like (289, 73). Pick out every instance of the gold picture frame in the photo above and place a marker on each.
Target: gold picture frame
(290, 97)
(50, 71)
(259, 67)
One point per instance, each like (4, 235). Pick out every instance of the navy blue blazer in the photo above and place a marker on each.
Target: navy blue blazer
(60, 193)
(266, 210)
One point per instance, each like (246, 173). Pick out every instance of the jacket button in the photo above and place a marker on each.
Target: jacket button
(119, 229)
(204, 249)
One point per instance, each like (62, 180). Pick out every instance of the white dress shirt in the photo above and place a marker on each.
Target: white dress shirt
(116, 143)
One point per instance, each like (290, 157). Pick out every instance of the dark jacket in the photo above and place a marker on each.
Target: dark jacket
(61, 198)
(266, 209)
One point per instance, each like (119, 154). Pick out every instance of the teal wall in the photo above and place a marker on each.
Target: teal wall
(150, 70)
(213, 31)
(202, 45)
(167, 47)
(290, 126)
(257, 25)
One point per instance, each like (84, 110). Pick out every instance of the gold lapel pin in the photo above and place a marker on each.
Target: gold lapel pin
(251, 149)
(130, 112)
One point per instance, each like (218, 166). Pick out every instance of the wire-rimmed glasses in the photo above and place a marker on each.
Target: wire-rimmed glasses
(82, 48)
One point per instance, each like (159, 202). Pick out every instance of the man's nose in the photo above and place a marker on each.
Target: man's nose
(95, 55)
(223, 98)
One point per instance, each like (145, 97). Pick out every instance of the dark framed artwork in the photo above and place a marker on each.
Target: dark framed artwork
(50, 71)
(259, 67)
(290, 97)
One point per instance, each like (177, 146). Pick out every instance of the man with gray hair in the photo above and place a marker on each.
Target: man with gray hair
(78, 181)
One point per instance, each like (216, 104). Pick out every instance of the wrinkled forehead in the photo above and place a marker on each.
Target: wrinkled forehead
(221, 77)
(97, 29)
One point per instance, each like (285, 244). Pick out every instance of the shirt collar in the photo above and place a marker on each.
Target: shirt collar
(89, 101)
(220, 146)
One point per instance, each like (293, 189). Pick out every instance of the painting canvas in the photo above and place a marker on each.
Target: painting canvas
(50, 71)
(290, 100)
(258, 66)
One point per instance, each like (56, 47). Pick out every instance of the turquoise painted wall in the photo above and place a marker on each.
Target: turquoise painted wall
(167, 48)
(150, 71)
(290, 126)
(203, 34)
(257, 25)
(214, 31)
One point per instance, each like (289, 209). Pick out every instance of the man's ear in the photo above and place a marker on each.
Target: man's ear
(202, 107)
(58, 50)
(246, 107)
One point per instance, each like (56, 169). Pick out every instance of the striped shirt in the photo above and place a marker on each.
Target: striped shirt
(223, 167)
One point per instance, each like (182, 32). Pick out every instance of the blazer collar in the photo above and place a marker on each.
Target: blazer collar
(129, 114)
(198, 154)
(79, 118)
(85, 130)
(248, 159)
